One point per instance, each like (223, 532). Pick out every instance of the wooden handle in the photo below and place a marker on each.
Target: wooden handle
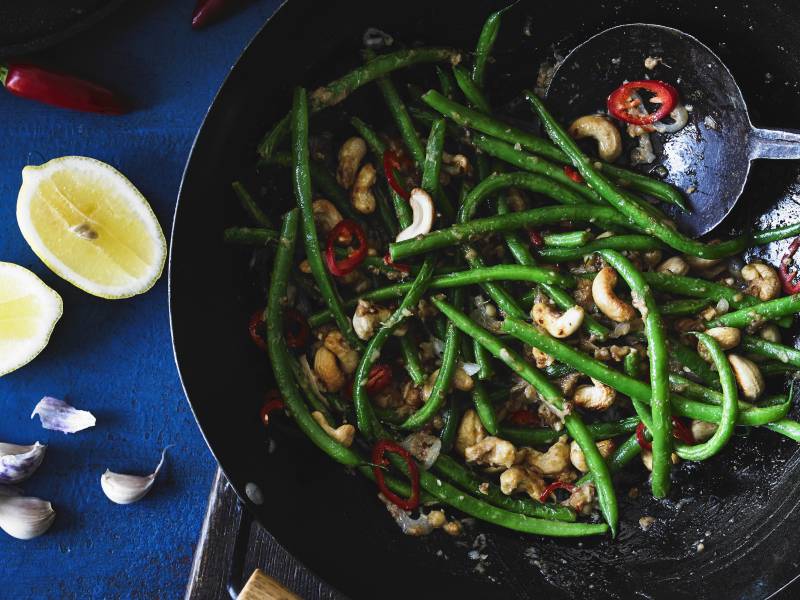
(261, 586)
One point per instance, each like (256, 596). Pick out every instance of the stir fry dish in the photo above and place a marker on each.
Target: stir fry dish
(492, 323)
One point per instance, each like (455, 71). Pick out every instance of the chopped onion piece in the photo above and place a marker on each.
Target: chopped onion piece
(424, 447)
(409, 526)
(679, 116)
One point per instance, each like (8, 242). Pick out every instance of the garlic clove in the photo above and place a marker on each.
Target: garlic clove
(57, 415)
(18, 463)
(127, 489)
(24, 517)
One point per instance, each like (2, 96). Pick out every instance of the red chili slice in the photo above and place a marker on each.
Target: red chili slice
(679, 432)
(297, 330)
(256, 327)
(349, 264)
(272, 403)
(622, 101)
(556, 485)
(379, 460)
(536, 238)
(403, 268)
(392, 161)
(379, 378)
(573, 174)
(524, 417)
(787, 277)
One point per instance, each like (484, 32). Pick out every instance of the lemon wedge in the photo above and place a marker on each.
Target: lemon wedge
(91, 226)
(29, 310)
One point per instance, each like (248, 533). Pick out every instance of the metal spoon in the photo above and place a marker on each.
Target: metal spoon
(710, 158)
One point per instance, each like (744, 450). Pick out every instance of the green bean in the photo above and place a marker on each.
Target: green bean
(730, 399)
(534, 164)
(678, 308)
(474, 119)
(250, 206)
(456, 234)
(659, 365)
(569, 239)
(471, 92)
(402, 119)
(776, 368)
(556, 370)
(540, 436)
(249, 236)
(302, 190)
(552, 396)
(337, 90)
(632, 363)
(467, 480)
(446, 82)
(633, 211)
(452, 419)
(764, 311)
(480, 397)
(628, 385)
(483, 50)
(614, 242)
(411, 360)
(691, 360)
(401, 206)
(781, 353)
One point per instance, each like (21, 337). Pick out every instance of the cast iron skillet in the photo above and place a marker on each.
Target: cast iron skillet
(31, 25)
(738, 506)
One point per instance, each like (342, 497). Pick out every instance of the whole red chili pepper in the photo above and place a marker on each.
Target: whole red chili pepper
(347, 265)
(790, 286)
(573, 174)
(524, 417)
(65, 91)
(623, 100)
(379, 460)
(208, 11)
(556, 485)
(392, 161)
(255, 328)
(379, 378)
(272, 402)
(297, 330)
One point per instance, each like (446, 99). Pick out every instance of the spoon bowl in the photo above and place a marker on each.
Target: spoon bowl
(708, 159)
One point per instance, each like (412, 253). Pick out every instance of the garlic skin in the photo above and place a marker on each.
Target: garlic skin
(57, 415)
(24, 517)
(127, 489)
(18, 463)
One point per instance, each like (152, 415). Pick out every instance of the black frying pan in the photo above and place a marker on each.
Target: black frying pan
(739, 505)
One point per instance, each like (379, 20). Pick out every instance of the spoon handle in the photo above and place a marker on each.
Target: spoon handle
(774, 143)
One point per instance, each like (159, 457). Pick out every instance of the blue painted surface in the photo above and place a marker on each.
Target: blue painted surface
(114, 357)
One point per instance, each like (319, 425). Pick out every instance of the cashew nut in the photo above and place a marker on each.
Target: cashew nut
(456, 164)
(522, 479)
(770, 333)
(461, 381)
(351, 154)
(369, 316)
(726, 337)
(344, 434)
(491, 452)
(582, 499)
(595, 397)
(606, 300)
(327, 369)
(702, 430)
(762, 281)
(549, 463)
(609, 141)
(701, 264)
(578, 460)
(348, 357)
(647, 459)
(470, 431)
(674, 265)
(423, 215)
(652, 258)
(541, 359)
(326, 216)
(748, 376)
(559, 325)
(361, 196)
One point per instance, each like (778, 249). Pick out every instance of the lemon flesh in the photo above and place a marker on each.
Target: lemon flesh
(91, 226)
(29, 310)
